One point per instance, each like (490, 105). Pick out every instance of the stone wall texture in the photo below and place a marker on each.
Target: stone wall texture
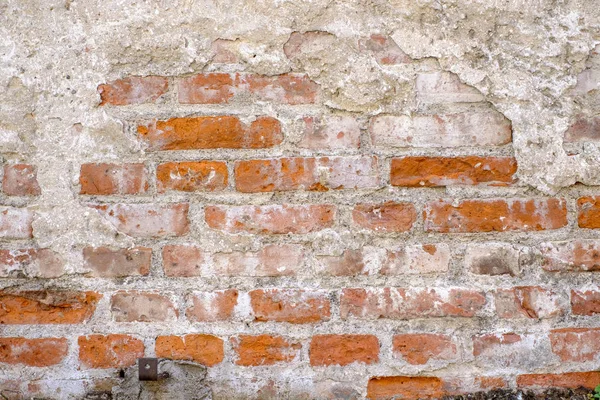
(326, 199)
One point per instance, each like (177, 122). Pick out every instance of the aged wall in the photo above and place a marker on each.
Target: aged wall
(324, 199)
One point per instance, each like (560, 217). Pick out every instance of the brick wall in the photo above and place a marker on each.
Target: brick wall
(298, 249)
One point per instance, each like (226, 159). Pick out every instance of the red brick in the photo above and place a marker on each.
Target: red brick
(270, 219)
(486, 383)
(104, 262)
(569, 380)
(398, 303)
(330, 133)
(583, 130)
(33, 352)
(203, 349)
(105, 179)
(420, 348)
(133, 90)
(264, 350)
(384, 49)
(15, 223)
(31, 263)
(343, 349)
(475, 128)
(221, 88)
(147, 220)
(318, 174)
(109, 351)
(578, 255)
(290, 305)
(405, 387)
(448, 216)
(576, 344)
(20, 180)
(271, 260)
(386, 217)
(212, 306)
(182, 260)
(207, 176)
(439, 87)
(133, 306)
(585, 302)
(490, 345)
(588, 209)
(47, 307)
(527, 302)
(446, 171)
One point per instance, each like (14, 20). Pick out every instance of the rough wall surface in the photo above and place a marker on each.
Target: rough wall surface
(324, 199)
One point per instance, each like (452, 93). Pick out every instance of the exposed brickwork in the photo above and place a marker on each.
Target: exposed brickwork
(33, 352)
(264, 350)
(110, 351)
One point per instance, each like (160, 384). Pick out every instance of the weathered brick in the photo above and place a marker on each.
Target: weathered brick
(330, 133)
(488, 128)
(264, 350)
(290, 305)
(343, 349)
(207, 176)
(147, 220)
(15, 223)
(583, 130)
(104, 262)
(20, 180)
(318, 174)
(503, 349)
(588, 209)
(420, 348)
(577, 255)
(498, 215)
(42, 352)
(182, 260)
(576, 344)
(203, 349)
(270, 219)
(587, 380)
(271, 260)
(222, 88)
(384, 50)
(31, 263)
(405, 387)
(585, 302)
(225, 51)
(134, 306)
(212, 306)
(486, 383)
(492, 259)
(440, 87)
(527, 302)
(228, 132)
(398, 303)
(109, 351)
(47, 307)
(133, 90)
(105, 179)
(305, 44)
(386, 217)
(446, 171)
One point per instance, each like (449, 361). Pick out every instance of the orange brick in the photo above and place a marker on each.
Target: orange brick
(576, 344)
(20, 180)
(47, 307)
(571, 380)
(386, 217)
(228, 132)
(405, 387)
(105, 179)
(264, 350)
(104, 262)
(585, 302)
(133, 90)
(290, 305)
(33, 352)
(207, 176)
(316, 174)
(109, 351)
(588, 209)
(494, 215)
(418, 349)
(343, 349)
(204, 349)
(212, 306)
(271, 219)
(446, 171)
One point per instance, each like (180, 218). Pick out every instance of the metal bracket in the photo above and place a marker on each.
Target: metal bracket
(148, 369)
